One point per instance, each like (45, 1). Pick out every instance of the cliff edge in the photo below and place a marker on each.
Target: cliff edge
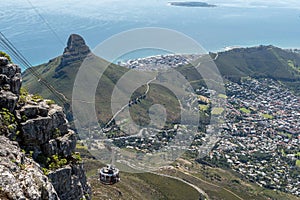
(37, 148)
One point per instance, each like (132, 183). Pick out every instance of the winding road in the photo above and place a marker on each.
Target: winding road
(213, 185)
(181, 180)
(125, 106)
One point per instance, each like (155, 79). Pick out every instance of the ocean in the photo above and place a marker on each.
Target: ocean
(40, 28)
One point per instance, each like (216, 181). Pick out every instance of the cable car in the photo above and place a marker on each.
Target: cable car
(109, 175)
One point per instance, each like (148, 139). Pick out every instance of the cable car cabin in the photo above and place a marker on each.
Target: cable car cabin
(109, 175)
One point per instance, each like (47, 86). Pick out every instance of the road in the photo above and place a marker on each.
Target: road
(212, 184)
(188, 183)
(125, 106)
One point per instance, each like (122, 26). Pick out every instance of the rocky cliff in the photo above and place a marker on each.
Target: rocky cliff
(76, 50)
(37, 158)
(10, 83)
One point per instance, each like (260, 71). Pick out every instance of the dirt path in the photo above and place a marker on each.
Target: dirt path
(188, 183)
(212, 184)
(125, 106)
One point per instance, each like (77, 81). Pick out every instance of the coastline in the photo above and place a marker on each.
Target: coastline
(219, 50)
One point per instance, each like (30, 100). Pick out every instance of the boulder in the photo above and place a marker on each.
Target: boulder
(10, 76)
(3, 61)
(8, 100)
(63, 146)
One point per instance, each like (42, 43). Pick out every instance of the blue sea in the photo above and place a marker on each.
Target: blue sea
(40, 28)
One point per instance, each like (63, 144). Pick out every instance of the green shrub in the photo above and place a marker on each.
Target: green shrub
(57, 162)
(22, 166)
(77, 157)
(50, 102)
(3, 54)
(24, 91)
(30, 154)
(11, 127)
(22, 100)
(56, 133)
(37, 97)
(23, 95)
(24, 118)
(7, 117)
(45, 171)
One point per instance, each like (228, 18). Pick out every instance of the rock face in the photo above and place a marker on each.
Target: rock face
(21, 177)
(76, 50)
(41, 128)
(45, 130)
(73, 184)
(10, 83)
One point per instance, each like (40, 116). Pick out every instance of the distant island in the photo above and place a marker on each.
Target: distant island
(192, 4)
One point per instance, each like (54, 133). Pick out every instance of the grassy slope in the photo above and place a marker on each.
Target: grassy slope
(257, 62)
(217, 183)
(221, 184)
(138, 186)
(65, 81)
(263, 61)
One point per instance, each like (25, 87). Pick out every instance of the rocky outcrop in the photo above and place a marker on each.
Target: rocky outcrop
(45, 132)
(10, 83)
(41, 129)
(73, 184)
(76, 50)
(21, 177)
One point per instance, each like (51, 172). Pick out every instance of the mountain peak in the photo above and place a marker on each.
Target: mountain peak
(75, 41)
(76, 50)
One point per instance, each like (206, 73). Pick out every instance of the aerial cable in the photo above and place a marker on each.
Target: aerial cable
(46, 22)
(17, 54)
(6, 44)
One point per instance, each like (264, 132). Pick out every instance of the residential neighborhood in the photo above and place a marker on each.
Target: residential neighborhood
(261, 140)
(159, 62)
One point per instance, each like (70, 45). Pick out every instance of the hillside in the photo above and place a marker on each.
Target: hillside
(61, 71)
(170, 182)
(261, 62)
(256, 62)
